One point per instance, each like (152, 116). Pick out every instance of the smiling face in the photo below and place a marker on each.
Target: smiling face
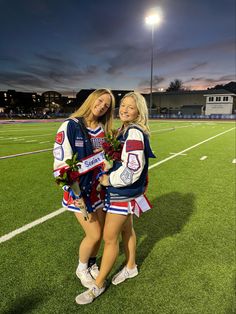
(128, 110)
(101, 105)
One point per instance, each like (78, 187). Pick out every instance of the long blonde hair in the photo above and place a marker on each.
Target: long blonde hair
(142, 118)
(85, 109)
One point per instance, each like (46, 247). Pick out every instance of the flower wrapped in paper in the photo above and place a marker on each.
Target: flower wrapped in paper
(68, 179)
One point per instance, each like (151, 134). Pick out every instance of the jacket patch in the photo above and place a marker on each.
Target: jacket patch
(58, 153)
(60, 137)
(134, 145)
(79, 143)
(127, 176)
(133, 162)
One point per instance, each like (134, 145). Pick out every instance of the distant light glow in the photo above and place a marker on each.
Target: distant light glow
(153, 19)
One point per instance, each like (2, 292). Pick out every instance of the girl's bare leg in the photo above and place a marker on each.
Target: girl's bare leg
(90, 244)
(129, 242)
(112, 229)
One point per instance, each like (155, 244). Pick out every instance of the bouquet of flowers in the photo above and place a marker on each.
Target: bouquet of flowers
(69, 180)
(112, 148)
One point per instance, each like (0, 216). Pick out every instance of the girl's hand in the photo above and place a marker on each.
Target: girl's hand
(79, 202)
(104, 180)
(97, 150)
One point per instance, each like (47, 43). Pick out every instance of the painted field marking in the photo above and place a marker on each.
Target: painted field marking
(171, 129)
(62, 210)
(12, 234)
(179, 154)
(27, 153)
(37, 135)
(30, 141)
(44, 142)
(234, 161)
(189, 148)
(203, 158)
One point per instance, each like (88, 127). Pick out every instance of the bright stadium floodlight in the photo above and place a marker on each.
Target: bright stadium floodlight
(152, 19)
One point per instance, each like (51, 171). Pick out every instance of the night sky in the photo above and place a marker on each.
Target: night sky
(70, 45)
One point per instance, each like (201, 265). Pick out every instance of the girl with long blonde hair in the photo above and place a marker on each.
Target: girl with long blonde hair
(83, 134)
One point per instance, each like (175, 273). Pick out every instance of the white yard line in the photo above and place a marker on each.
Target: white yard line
(203, 158)
(12, 234)
(62, 210)
(234, 161)
(171, 129)
(27, 153)
(44, 142)
(179, 154)
(189, 148)
(37, 135)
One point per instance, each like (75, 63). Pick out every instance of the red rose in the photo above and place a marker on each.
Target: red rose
(116, 156)
(62, 171)
(106, 146)
(73, 175)
(110, 153)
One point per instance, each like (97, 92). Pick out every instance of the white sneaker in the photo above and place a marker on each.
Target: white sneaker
(94, 271)
(85, 277)
(89, 295)
(124, 274)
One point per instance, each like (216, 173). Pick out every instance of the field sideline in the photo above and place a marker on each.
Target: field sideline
(185, 248)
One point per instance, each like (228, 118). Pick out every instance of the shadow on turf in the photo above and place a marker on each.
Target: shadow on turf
(25, 304)
(168, 216)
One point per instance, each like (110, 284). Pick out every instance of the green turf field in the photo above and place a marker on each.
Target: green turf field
(185, 244)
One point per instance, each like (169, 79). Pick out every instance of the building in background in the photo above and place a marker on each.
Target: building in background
(199, 102)
(220, 102)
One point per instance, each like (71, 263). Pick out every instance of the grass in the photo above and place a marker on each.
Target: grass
(185, 248)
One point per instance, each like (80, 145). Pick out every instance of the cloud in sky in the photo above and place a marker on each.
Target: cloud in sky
(73, 45)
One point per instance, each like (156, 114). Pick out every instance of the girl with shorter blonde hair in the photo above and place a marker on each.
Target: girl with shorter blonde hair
(142, 118)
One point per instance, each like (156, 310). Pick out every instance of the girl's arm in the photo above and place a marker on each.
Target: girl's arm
(62, 149)
(133, 160)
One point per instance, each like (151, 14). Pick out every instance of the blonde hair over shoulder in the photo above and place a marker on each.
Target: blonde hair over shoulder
(85, 109)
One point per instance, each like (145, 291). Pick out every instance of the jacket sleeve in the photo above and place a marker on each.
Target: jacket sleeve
(133, 160)
(62, 148)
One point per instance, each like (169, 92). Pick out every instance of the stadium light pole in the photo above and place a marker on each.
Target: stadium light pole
(152, 19)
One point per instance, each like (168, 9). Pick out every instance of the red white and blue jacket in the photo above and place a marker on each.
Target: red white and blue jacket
(128, 177)
(72, 138)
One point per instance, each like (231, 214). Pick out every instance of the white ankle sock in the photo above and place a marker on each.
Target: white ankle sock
(82, 266)
(130, 271)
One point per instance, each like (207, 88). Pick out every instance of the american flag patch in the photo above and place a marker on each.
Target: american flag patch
(79, 143)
